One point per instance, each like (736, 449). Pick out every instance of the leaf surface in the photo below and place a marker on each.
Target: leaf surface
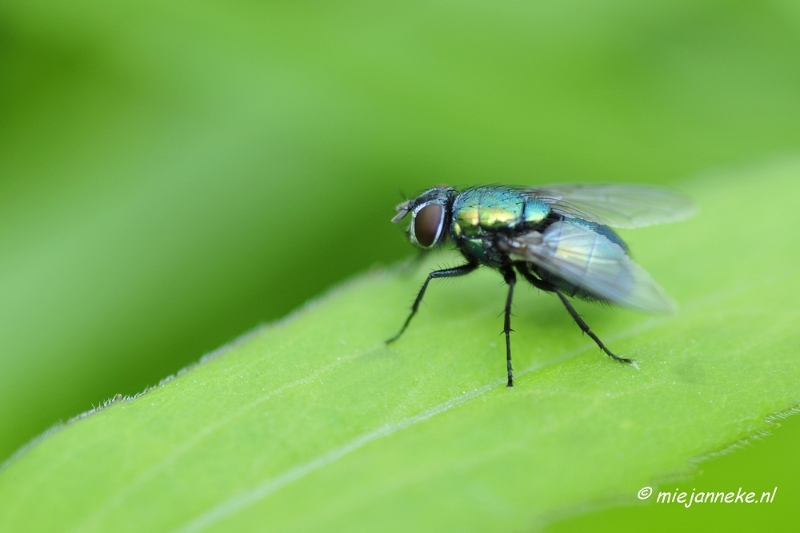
(313, 423)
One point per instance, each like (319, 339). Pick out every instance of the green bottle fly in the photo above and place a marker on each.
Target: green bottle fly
(558, 238)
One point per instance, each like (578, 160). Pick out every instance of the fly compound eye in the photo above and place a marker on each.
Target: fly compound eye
(428, 223)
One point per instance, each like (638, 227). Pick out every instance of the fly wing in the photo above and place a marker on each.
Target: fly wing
(592, 262)
(620, 206)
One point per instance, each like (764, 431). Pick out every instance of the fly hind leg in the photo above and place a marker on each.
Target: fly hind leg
(585, 328)
(549, 287)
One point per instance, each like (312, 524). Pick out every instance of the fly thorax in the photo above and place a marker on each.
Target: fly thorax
(534, 211)
(487, 210)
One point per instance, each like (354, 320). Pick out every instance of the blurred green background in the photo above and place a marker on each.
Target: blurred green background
(173, 174)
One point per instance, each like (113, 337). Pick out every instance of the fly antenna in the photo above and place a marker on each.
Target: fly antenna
(402, 211)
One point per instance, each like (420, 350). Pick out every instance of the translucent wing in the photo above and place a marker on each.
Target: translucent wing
(620, 206)
(592, 262)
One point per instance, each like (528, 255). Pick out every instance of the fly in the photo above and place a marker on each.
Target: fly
(558, 238)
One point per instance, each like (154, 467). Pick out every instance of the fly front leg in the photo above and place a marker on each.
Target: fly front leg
(444, 273)
(511, 280)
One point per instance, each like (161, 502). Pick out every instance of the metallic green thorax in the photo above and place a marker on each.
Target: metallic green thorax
(482, 211)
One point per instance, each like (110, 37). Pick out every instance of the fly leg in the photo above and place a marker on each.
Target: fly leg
(585, 328)
(444, 273)
(511, 280)
(549, 287)
(533, 280)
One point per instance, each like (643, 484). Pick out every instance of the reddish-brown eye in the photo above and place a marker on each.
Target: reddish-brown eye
(428, 224)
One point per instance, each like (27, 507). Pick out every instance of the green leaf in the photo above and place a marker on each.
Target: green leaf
(152, 153)
(313, 423)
